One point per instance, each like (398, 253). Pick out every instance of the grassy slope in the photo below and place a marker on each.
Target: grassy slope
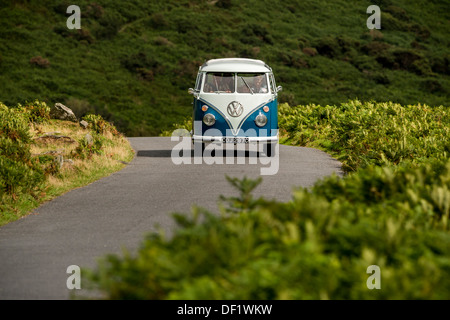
(133, 61)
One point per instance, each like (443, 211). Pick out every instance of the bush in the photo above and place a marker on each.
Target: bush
(37, 111)
(17, 177)
(185, 125)
(86, 149)
(110, 23)
(100, 125)
(361, 134)
(40, 62)
(19, 173)
(14, 125)
(49, 164)
(16, 150)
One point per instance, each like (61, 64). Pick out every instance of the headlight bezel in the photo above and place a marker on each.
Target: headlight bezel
(261, 120)
(209, 119)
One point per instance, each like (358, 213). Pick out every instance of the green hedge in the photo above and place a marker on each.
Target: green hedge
(362, 134)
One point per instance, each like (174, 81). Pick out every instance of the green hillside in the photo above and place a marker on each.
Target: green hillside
(133, 61)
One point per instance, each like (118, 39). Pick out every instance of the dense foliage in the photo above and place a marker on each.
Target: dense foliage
(362, 134)
(391, 211)
(133, 61)
(317, 246)
(19, 171)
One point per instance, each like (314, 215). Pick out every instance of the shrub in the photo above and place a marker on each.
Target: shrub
(16, 150)
(94, 11)
(83, 35)
(100, 125)
(110, 23)
(49, 164)
(140, 61)
(361, 134)
(40, 62)
(37, 111)
(255, 34)
(310, 51)
(14, 125)
(19, 173)
(162, 41)
(158, 21)
(375, 48)
(86, 149)
(185, 125)
(18, 177)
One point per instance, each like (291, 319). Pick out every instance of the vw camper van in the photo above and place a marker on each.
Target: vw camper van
(235, 101)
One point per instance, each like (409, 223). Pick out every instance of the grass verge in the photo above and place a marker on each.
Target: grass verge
(61, 154)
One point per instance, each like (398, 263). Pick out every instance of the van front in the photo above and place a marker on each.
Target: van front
(235, 102)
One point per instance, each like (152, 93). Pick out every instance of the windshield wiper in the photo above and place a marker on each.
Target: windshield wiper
(247, 85)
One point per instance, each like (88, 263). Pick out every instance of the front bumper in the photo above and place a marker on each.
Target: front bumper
(219, 139)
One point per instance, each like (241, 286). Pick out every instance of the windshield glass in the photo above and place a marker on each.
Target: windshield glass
(252, 83)
(219, 82)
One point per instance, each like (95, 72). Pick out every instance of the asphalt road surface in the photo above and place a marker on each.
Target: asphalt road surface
(116, 212)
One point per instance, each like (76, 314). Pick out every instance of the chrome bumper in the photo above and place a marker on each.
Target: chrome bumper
(219, 139)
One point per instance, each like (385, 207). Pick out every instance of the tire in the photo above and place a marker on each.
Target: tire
(269, 149)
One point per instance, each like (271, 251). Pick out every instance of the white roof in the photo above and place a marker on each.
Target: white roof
(235, 65)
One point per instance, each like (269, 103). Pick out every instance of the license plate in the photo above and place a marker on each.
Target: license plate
(235, 140)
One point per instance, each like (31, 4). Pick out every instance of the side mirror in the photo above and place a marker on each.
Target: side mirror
(191, 91)
(279, 88)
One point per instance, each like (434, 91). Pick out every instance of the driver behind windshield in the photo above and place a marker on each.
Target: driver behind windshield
(219, 83)
(260, 85)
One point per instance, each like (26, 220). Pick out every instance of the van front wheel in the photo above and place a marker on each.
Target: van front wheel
(269, 149)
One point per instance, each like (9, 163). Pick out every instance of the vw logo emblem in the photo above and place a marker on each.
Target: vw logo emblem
(235, 109)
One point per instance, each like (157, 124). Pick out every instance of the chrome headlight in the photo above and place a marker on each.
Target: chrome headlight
(209, 119)
(261, 120)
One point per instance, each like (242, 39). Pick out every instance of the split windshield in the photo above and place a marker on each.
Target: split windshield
(223, 82)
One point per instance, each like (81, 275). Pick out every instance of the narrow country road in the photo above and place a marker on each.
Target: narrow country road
(116, 212)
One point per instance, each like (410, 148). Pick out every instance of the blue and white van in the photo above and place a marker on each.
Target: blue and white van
(235, 101)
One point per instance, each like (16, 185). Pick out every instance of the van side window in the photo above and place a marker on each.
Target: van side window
(252, 83)
(222, 82)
